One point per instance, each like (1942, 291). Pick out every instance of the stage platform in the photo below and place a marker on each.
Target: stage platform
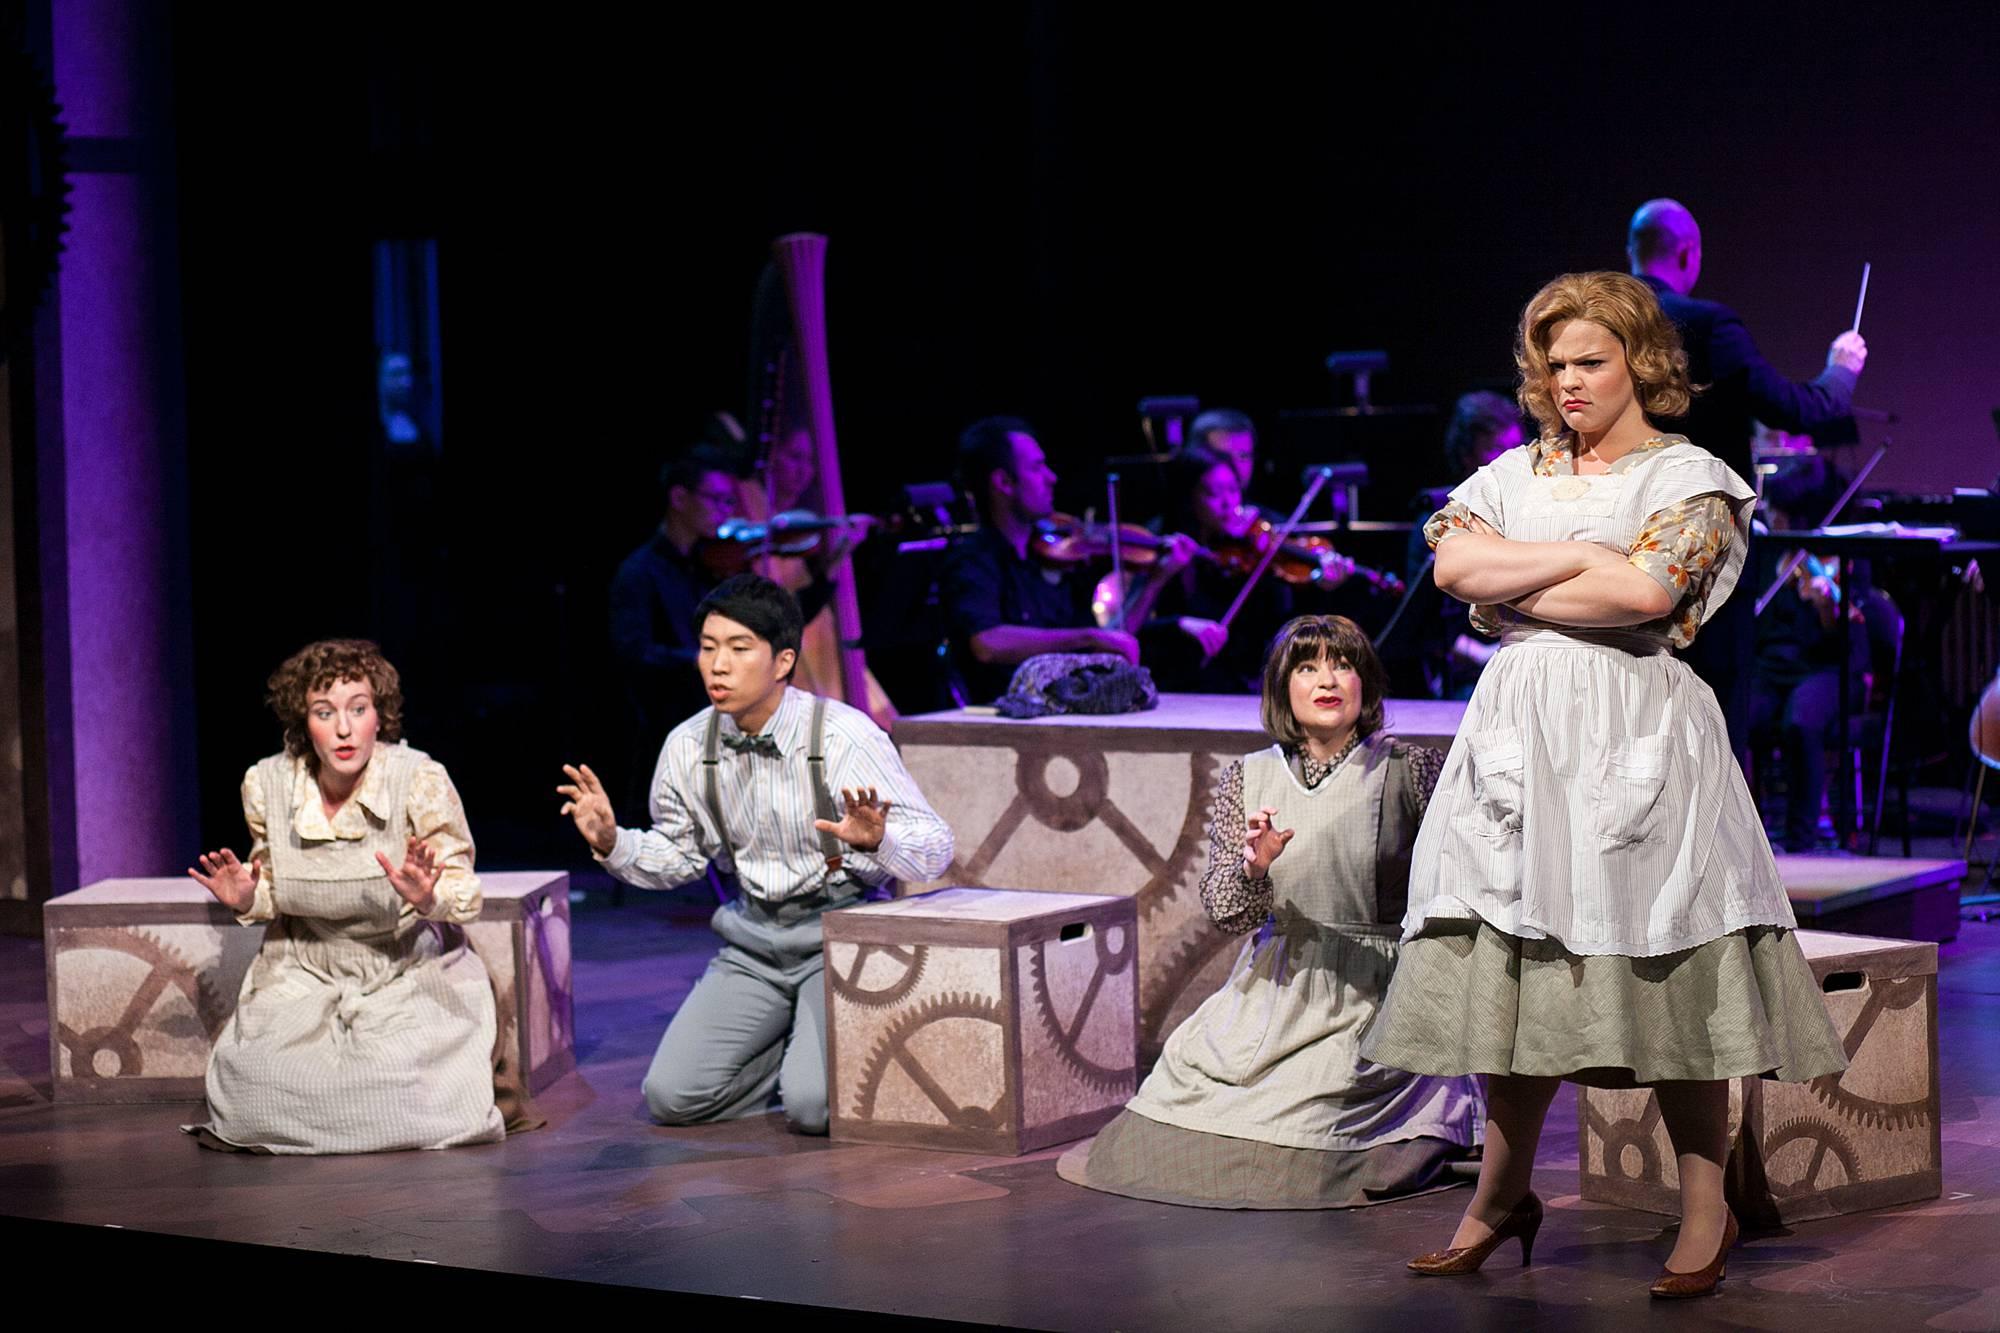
(1902, 898)
(1110, 805)
(739, 1212)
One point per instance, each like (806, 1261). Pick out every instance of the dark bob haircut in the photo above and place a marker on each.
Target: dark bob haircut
(318, 666)
(1307, 639)
(760, 606)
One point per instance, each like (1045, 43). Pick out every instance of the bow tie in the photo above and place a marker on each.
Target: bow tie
(758, 744)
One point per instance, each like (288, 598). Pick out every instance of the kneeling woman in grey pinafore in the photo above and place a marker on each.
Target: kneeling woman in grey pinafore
(1262, 1098)
(365, 1023)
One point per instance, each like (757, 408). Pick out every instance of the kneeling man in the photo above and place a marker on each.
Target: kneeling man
(748, 783)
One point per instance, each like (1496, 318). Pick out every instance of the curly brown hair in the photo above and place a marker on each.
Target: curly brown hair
(1631, 312)
(318, 666)
(1307, 639)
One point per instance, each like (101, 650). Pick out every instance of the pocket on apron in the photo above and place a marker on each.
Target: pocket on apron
(1628, 796)
(1497, 763)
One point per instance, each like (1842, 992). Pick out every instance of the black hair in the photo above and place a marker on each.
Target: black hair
(983, 448)
(1220, 418)
(1478, 417)
(687, 469)
(1183, 474)
(760, 606)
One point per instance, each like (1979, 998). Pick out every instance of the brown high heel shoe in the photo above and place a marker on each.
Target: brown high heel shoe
(1670, 1285)
(1523, 1222)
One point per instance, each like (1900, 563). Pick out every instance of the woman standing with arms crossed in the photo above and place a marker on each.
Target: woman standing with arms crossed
(1591, 894)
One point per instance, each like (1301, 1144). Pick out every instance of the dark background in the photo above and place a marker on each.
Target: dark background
(1032, 210)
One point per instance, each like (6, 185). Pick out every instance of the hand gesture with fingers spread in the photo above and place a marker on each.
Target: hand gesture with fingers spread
(233, 883)
(1263, 842)
(585, 802)
(415, 881)
(866, 817)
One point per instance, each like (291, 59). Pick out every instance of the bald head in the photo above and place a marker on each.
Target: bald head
(1664, 242)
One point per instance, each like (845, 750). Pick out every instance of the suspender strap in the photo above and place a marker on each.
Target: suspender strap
(711, 753)
(829, 846)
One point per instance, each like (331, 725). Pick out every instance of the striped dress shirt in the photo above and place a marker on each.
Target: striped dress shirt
(768, 804)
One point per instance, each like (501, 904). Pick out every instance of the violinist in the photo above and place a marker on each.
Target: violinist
(1225, 431)
(1002, 606)
(654, 638)
(653, 597)
(1186, 646)
(1795, 676)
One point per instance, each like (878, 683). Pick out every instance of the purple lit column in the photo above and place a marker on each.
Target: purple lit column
(123, 462)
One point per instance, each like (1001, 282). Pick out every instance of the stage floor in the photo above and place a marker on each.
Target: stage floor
(745, 1209)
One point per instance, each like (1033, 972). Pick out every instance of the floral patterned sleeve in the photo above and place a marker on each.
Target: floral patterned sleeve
(1683, 547)
(1234, 902)
(437, 816)
(263, 907)
(1453, 520)
(1425, 766)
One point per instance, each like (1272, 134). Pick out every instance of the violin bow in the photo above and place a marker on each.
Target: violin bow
(1321, 475)
(1792, 561)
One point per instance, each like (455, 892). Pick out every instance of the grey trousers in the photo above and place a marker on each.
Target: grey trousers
(755, 1023)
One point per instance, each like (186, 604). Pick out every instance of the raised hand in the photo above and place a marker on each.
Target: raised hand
(233, 883)
(1263, 842)
(586, 804)
(861, 826)
(415, 881)
(1849, 351)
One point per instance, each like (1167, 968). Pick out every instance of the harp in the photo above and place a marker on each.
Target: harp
(792, 391)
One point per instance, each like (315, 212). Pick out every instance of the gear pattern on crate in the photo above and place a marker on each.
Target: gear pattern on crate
(1091, 803)
(1883, 996)
(166, 967)
(849, 986)
(892, 1050)
(1183, 959)
(1100, 1078)
(1637, 1133)
(1824, 1141)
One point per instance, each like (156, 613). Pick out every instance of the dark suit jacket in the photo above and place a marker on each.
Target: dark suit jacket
(1743, 386)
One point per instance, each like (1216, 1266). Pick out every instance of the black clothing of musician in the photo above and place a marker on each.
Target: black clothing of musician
(1204, 592)
(655, 641)
(1795, 698)
(986, 584)
(1743, 388)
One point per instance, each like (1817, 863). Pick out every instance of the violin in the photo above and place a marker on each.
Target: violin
(740, 542)
(1300, 559)
(1061, 541)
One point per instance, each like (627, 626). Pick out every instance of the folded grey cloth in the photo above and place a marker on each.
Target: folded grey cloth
(1094, 683)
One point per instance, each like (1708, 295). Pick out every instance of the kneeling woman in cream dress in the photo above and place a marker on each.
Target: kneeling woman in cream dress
(365, 1023)
(1591, 896)
(1262, 1098)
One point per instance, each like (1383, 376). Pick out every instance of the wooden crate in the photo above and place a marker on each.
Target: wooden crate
(144, 973)
(1864, 1139)
(982, 1020)
(522, 935)
(1116, 805)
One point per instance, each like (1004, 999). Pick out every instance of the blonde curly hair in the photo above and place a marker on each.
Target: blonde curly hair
(1631, 312)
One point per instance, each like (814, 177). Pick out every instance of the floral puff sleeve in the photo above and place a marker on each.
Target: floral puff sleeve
(1235, 902)
(1684, 547)
(1452, 520)
(437, 816)
(1480, 498)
